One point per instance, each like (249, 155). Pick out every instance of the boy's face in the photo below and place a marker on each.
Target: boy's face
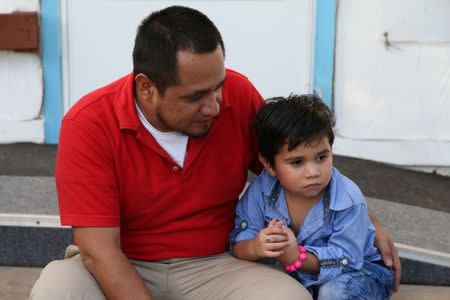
(305, 171)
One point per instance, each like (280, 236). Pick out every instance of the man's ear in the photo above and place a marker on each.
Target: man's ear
(144, 86)
(267, 165)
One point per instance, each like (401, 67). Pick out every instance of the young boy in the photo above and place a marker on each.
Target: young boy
(304, 214)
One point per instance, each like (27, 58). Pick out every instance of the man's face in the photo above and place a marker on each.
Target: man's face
(305, 171)
(190, 106)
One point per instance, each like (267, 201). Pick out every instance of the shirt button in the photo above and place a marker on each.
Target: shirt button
(243, 224)
(344, 262)
(175, 168)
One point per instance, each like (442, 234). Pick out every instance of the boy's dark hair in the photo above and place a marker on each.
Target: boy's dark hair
(295, 120)
(163, 34)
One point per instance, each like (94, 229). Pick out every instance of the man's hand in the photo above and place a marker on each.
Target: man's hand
(388, 251)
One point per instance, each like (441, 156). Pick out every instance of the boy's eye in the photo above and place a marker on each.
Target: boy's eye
(296, 162)
(322, 157)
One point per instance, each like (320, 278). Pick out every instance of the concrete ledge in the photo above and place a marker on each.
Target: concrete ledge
(30, 220)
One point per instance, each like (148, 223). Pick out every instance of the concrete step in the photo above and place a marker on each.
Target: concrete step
(421, 237)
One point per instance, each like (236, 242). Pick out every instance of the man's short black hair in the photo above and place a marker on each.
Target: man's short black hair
(295, 120)
(163, 34)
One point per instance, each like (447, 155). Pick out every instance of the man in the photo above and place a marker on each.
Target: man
(149, 170)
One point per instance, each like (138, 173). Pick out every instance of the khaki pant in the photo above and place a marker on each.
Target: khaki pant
(212, 277)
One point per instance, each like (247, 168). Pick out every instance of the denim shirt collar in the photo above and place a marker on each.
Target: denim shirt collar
(339, 198)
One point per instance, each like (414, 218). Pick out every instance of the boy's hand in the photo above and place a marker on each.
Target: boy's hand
(272, 240)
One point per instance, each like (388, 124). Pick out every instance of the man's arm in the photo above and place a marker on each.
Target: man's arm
(102, 255)
(388, 251)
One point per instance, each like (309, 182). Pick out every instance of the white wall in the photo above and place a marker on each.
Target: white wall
(392, 98)
(269, 41)
(21, 88)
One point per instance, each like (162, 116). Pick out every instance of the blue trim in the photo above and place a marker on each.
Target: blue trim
(324, 49)
(51, 62)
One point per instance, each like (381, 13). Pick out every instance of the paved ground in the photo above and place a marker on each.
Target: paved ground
(16, 283)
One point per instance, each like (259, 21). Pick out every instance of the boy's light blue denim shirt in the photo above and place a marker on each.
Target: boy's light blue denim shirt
(337, 229)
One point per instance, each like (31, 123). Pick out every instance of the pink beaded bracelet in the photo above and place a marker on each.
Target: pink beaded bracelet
(299, 262)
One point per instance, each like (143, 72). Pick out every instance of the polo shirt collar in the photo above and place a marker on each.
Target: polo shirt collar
(124, 105)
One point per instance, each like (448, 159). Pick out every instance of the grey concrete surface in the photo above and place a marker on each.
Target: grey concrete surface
(16, 283)
(419, 292)
(27, 159)
(413, 225)
(28, 195)
(418, 227)
(382, 181)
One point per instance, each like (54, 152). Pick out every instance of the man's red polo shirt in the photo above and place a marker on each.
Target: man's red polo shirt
(112, 173)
